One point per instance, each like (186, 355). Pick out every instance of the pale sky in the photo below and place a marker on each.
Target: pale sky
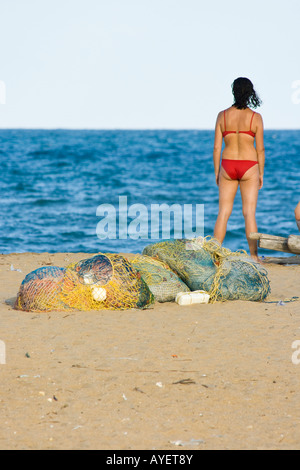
(145, 64)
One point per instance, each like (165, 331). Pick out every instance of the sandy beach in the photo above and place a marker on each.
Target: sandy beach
(216, 376)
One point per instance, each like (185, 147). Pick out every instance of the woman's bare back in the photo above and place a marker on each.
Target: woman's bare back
(243, 125)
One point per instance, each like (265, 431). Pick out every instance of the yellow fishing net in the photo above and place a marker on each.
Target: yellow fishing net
(164, 283)
(40, 290)
(103, 282)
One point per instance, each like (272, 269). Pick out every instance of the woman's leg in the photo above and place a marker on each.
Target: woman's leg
(249, 185)
(227, 192)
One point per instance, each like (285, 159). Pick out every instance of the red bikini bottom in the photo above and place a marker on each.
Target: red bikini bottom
(236, 169)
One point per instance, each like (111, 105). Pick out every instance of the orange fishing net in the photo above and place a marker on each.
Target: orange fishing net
(105, 281)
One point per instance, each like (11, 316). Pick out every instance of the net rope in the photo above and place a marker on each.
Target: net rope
(203, 263)
(103, 282)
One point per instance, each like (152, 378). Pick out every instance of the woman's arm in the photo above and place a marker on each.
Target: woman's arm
(260, 148)
(217, 147)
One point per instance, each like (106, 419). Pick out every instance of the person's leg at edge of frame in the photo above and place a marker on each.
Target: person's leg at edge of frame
(297, 215)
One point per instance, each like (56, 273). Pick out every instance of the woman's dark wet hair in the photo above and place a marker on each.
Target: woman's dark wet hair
(244, 94)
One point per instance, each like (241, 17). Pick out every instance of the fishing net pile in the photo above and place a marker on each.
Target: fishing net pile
(102, 282)
(112, 282)
(164, 283)
(203, 264)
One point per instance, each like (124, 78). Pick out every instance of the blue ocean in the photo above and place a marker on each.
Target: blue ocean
(53, 181)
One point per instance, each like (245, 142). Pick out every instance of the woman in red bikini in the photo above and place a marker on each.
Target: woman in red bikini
(242, 162)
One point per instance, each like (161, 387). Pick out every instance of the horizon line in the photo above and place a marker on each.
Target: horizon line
(134, 128)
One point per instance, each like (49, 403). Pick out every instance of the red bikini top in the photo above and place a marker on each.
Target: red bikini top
(239, 132)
